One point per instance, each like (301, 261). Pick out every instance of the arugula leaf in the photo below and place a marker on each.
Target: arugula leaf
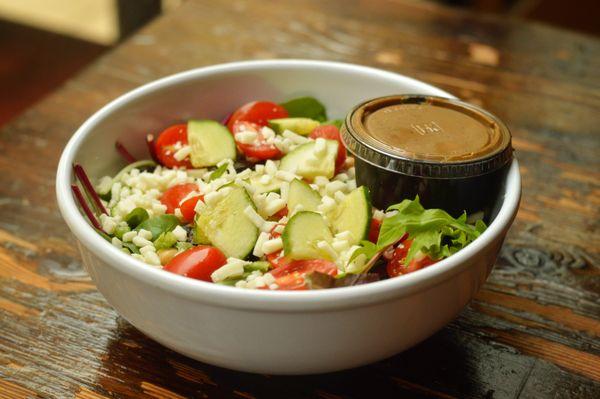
(432, 231)
(159, 224)
(135, 217)
(367, 248)
(306, 107)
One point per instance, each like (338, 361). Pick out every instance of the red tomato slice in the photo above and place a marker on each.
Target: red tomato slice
(198, 262)
(397, 267)
(374, 230)
(276, 260)
(331, 132)
(258, 112)
(260, 149)
(188, 208)
(164, 146)
(280, 213)
(173, 196)
(291, 275)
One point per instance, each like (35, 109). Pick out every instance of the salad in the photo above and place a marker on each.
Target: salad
(266, 199)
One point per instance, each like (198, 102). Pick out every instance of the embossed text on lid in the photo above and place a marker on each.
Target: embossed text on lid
(419, 134)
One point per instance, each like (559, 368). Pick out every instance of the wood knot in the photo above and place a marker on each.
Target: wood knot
(538, 261)
(70, 271)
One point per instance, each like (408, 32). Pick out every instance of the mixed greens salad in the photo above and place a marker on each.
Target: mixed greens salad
(267, 199)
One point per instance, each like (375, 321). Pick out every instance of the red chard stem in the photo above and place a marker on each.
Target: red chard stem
(88, 187)
(85, 207)
(124, 153)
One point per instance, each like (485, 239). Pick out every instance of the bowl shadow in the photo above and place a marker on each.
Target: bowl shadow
(134, 365)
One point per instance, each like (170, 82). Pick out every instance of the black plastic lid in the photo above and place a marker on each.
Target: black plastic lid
(427, 136)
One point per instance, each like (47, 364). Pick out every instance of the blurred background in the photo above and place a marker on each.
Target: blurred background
(44, 42)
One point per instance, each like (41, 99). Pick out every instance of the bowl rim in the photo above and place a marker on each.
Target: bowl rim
(264, 300)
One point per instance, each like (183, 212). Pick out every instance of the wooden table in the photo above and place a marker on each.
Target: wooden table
(533, 331)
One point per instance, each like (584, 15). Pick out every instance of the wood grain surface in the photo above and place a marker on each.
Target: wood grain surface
(532, 332)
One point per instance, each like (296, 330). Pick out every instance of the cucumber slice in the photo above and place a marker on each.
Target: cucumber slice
(302, 194)
(354, 215)
(302, 126)
(273, 186)
(301, 235)
(303, 162)
(211, 142)
(226, 225)
(198, 236)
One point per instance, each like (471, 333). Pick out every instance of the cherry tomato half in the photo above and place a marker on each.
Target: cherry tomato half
(258, 112)
(331, 132)
(165, 146)
(280, 213)
(291, 276)
(374, 230)
(259, 150)
(397, 267)
(198, 262)
(173, 196)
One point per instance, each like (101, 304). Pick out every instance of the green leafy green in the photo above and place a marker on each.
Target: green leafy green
(432, 231)
(367, 248)
(219, 171)
(165, 240)
(135, 217)
(159, 224)
(306, 107)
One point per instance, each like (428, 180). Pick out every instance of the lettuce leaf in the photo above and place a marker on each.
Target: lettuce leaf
(432, 231)
(306, 107)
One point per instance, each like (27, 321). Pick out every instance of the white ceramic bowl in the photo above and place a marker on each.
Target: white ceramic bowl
(254, 330)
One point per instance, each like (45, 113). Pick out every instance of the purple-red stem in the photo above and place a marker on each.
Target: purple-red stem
(85, 207)
(124, 153)
(152, 148)
(88, 187)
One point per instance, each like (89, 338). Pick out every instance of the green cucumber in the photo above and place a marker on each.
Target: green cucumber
(301, 235)
(211, 142)
(302, 126)
(226, 225)
(260, 265)
(273, 186)
(300, 161)
(354, 214)
(302, 194)
(198, 236)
